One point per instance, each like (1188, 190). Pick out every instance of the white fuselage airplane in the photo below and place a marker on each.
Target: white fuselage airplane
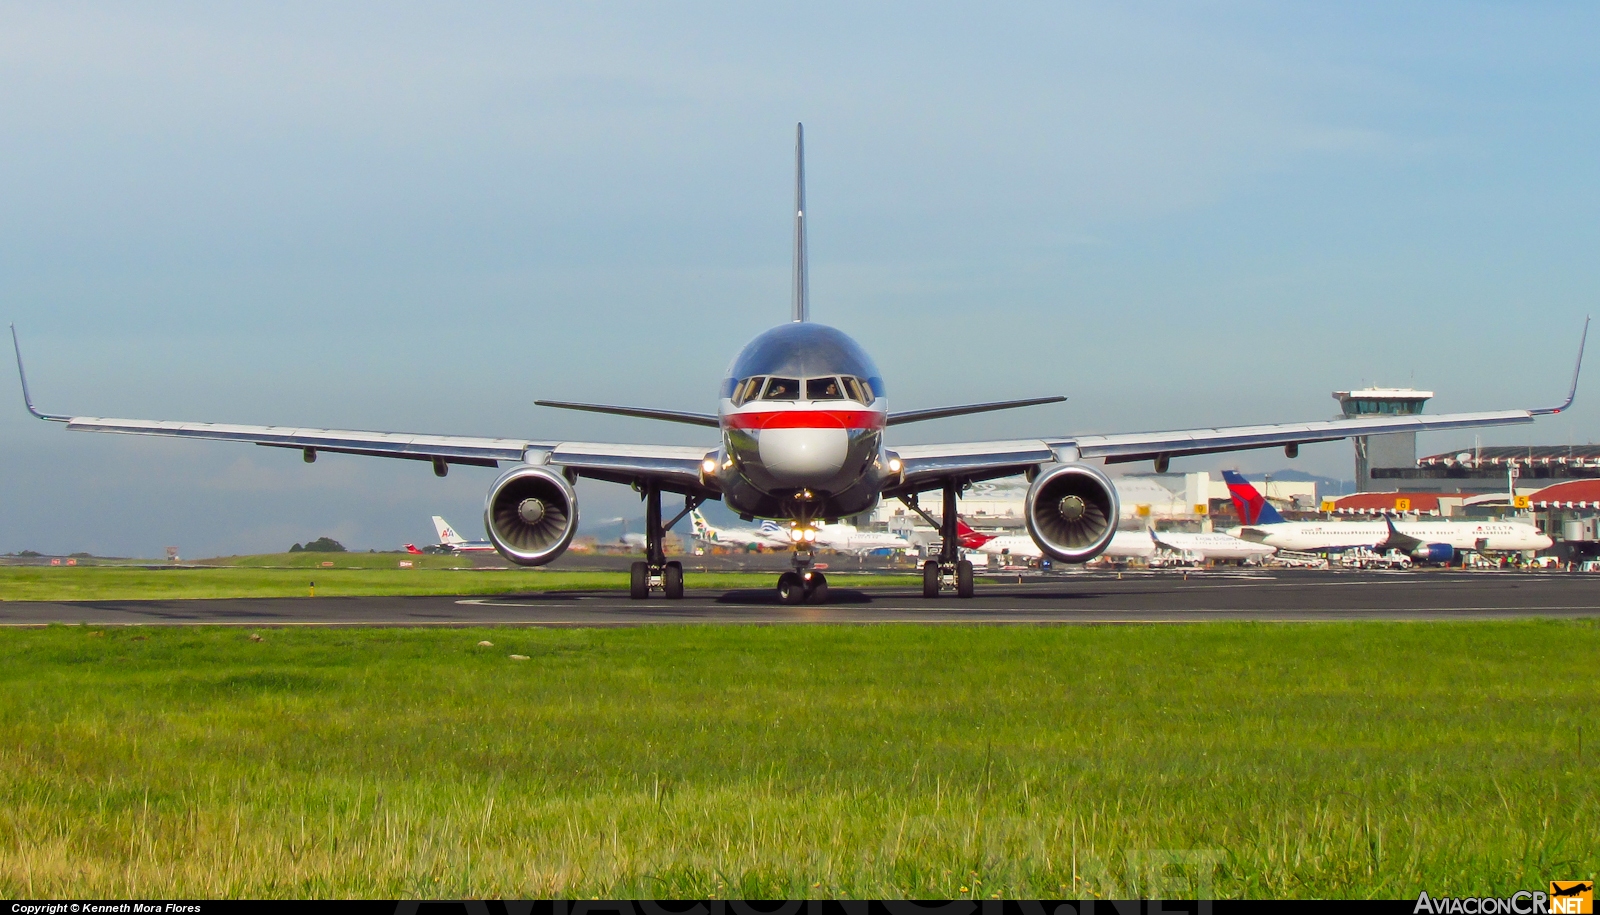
(455, 543)
(1140, 544)
(1123, 545)
(742, 537)
(1207, 545)
(847, 538)
(844, 538)
(1459, 536)
(452, 542)
(1429, 541)
(799, 437)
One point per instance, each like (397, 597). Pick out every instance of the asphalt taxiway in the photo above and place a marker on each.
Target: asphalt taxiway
(1166, 597)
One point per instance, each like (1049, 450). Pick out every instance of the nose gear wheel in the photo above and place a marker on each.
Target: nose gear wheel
(802, 584)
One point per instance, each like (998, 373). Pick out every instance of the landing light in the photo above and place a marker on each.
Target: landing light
(894, 465)
(709, 465)
(796, 534)
(810, 535)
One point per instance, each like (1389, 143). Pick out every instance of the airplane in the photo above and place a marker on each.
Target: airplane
(1206, 545)
(800, 436)
(452, 542)
(847, 538)
(844, 538)
(743, 537)
(1427, 541)
(631, 541)
(1123, 545)
(1141, 544)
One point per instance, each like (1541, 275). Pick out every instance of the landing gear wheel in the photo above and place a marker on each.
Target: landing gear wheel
(791, 590)
(930, 578)
(672, 580)
(964, 578)
(638, 581)
(817, 589)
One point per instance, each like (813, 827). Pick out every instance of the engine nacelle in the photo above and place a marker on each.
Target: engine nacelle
(531, 514)
(1072, 512)
(1434, 552)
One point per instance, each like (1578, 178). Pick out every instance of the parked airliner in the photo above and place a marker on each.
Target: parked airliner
(800, 435)
(844, 538)
(1140, 544)
(741, 537)
(1429, 541)
(847, 538)
(1123, 545)
(452, 542)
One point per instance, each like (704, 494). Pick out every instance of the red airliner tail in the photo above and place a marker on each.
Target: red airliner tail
(970, 538)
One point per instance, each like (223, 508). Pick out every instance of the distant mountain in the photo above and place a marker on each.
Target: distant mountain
(1326, 486)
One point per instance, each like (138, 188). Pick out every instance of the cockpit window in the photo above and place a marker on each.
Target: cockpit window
(824, 389)
(782, 389)
(853, 389)
(745, 391)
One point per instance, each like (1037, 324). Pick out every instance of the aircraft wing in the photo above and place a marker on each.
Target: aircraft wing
(926, 465)
(676, 468)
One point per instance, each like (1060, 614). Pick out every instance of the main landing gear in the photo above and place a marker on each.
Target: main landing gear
(804, 584)
(656, 573)
(949, 571)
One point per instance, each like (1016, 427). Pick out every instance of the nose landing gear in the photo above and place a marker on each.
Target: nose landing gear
(656, 572)
(804, 584)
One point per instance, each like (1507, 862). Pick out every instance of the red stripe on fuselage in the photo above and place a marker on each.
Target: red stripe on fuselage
(805, 419)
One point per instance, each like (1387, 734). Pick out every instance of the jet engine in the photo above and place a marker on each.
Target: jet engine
(1434, 552)
(531, 514)
(1072, 512)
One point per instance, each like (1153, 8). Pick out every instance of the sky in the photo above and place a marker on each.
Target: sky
(422, 218)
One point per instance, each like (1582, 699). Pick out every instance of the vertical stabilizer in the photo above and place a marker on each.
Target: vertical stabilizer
(1253, 507)
(800, 301)
(447, 535)
(702, 528)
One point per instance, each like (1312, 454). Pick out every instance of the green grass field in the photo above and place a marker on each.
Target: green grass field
(1370, 759)
(354, 575)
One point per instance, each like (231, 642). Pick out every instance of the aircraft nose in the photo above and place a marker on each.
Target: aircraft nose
(802, 455)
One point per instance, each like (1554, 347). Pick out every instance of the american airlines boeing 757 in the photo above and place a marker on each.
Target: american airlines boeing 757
(801, 437)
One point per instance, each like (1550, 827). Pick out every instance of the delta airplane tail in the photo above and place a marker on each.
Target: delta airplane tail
(1253, 508)
(447, 534)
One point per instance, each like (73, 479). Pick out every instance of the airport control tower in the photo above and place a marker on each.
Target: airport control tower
(1395, 450)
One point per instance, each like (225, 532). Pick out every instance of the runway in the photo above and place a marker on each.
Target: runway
(1164, 597)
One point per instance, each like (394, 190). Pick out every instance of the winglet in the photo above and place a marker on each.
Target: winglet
(27, 398)
(800, 303)
(1573, 392)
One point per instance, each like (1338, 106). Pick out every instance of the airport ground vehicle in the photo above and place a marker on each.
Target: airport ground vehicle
(1363, 558)
(801, 431)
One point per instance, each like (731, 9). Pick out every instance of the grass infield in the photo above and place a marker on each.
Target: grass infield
(354, 575)
(1348, 760)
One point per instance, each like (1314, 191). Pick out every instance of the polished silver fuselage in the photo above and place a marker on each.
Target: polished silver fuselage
(802, 413)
